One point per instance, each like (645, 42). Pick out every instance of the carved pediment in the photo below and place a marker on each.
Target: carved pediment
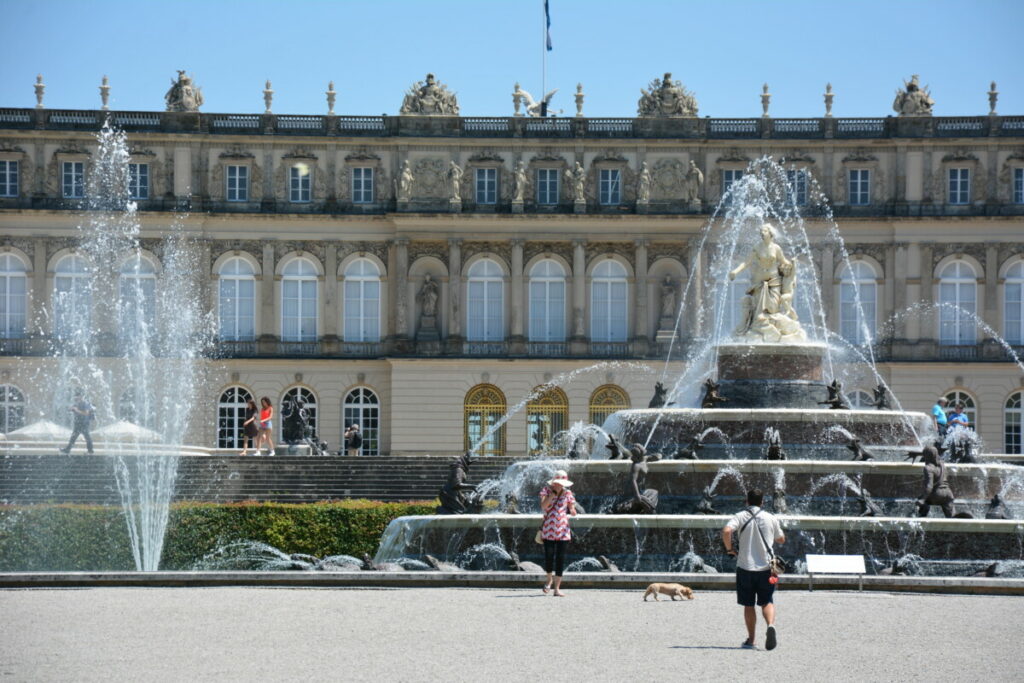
(796, 156)
(362, 155)
(859, 155)
(610, 155)
(300, 153)
(960, 155)
(6, 146)
(73, 147)
(547, 155)
(487, 155)
(236, 152)
(734, 154)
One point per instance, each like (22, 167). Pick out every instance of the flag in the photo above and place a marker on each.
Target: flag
(547, 18)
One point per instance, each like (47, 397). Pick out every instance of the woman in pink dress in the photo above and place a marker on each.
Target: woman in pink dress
(558, 504)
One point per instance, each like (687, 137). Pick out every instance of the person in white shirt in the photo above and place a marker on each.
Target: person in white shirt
(749, 536)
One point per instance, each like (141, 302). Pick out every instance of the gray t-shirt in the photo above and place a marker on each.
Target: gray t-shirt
(751, 553)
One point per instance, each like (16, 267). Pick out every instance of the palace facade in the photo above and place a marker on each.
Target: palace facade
(424, 273)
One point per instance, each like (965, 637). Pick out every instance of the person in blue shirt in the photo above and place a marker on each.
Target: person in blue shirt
(958, 417)
(939, 417)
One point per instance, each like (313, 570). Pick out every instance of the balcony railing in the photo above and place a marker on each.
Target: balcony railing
(362, 349)
(229, 348)
(609, 349)
(547, 349)
(485, 349)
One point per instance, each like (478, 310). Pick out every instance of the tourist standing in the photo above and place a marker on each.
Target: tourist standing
(557, 503)
(939, 417)
(266, 426)
(83, 414)
(249, 428)
(756, 531)
(958, 418)
(353, 440)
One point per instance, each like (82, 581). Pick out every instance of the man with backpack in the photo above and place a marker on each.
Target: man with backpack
(353, 440)
(755, 531)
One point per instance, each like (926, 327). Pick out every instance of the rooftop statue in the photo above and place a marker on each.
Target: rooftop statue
(184, 95)
(913, 100)
(429, 98)
(767, 309)
(533, 107)
(666, 98)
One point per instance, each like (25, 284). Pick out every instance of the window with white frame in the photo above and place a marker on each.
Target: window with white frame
(958, 286)
(1018, 186)
(860, 186)
(236, 300)
(547, 185)
(73, 179)
(1013, 421)
(13, 297)
(72, 298)
(485, 310)
(608, 303)
(362, 407)
(610, 186)
(970, 407)
(231, 415)
(362, 185)
(12, 408)
(136, 307)
(298, 398)
(299, 302)
(362, 301)
(138, 181)
(796, 190)
(486, 186)
(858, 296)
(299, 179)
(729, 177)
(8, 178)
(1013, 304)
(959, 186)
(237, 179)
(547, 302)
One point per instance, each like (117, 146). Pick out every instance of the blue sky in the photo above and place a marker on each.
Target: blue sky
(373, 50)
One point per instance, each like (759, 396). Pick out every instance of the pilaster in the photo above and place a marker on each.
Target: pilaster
(268, 324)
(641, 333)
(578, 340)
(454, 294)
(517, 341)
(330, 328)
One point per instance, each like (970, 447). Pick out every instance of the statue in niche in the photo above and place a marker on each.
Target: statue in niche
(405, 181)
(666, 98)
(882, 398)
(913, 100)
(658, 400)
(429, 98)
(711, 396)
(184, 95)
(643, 184)
(767, 315)
(935, 488)
(455, 174)
(576, 179)
(518, 182)
(458, 497)
(836, 398)
(639, 501)
(694, 182)
(668, 297)
(428, 296)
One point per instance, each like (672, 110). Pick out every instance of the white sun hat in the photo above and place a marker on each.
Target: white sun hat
(561, 477)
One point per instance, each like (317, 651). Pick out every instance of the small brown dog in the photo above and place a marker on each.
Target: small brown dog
(672, 589)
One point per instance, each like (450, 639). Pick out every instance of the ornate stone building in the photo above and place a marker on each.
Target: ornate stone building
(422, 273)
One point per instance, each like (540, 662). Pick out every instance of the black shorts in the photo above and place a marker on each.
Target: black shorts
(751, 585)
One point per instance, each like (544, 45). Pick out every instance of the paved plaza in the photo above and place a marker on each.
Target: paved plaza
(178, 634)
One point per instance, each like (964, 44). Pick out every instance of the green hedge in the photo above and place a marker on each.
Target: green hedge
(95, 538)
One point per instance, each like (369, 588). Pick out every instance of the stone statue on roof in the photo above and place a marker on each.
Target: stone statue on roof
(666, 98)
(429, 98)
(184, 95)
(913, 100)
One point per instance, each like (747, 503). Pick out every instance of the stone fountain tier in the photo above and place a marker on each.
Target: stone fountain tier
(675, 427)
(772, 375)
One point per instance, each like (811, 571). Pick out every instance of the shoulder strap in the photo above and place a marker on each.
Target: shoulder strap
(767, 545)
(747, 523)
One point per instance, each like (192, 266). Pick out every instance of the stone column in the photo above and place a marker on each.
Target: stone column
(183, 172)
(887, 301)
(401, 295)
(516, 339)
(454, 340)
(39, 296)
(578, 338)
(268, 322)
(330, 330)
(642, 330)
(928, 321)
(991, 303)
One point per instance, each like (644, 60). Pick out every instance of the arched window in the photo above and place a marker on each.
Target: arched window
(958, 287)
(292, 399)
(12, 408)
(857, 323)
(547, 302)
(605, 401)
(72, 299)
(362, 301)
(970, 409)
(13, 297)
(236, 300)
(485, 312)
(484, 407)
(137, 304)
(137, 408)
(299, 301)
(362, 407)
(1013, 304)
(1013, 419)
(546, 415)
(860, 399)
(608, 308)
(230, 416)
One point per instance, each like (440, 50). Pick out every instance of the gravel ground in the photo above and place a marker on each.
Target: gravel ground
(177, 634)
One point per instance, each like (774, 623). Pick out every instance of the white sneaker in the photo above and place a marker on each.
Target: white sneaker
(270, 453)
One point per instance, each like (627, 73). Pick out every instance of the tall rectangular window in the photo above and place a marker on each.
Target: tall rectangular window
(138, 181)
(797, 190)
(486, 186)
(299, 183)
(237, 179)
(860, 187)
(610, 187)
(959, 186)
(362, 185)
(1018, 186)
(729, 176)
(8, 178)
(547, 186)
(73, 179)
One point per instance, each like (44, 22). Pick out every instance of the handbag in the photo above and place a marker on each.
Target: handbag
(776, 564)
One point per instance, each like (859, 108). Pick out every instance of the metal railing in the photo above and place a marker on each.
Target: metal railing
(609, 349)
(485, 349)
(362, 349)
(547, 349)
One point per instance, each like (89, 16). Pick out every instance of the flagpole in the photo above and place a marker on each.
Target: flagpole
(543, 56)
